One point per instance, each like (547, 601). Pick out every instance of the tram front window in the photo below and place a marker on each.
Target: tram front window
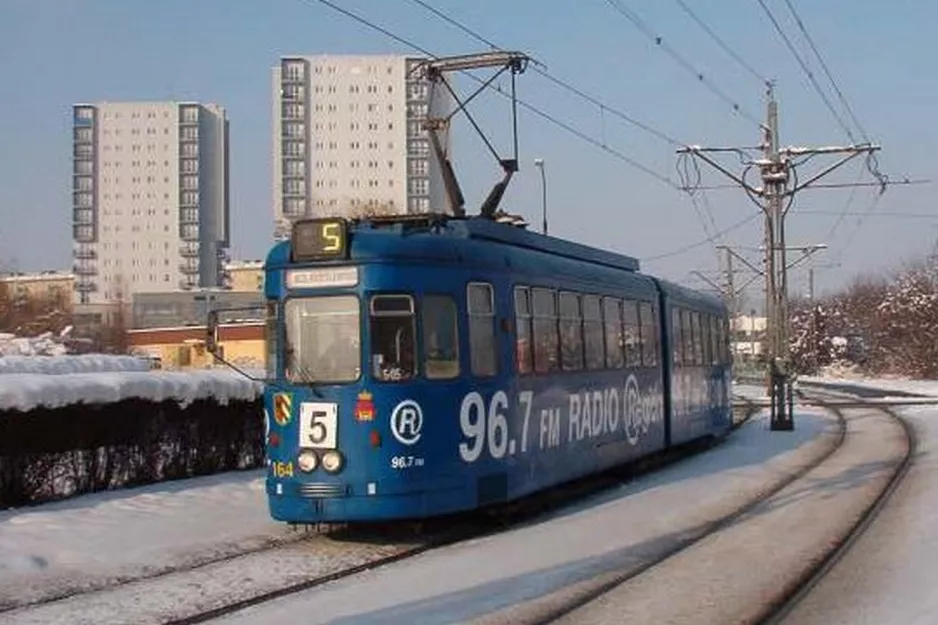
(323, 343)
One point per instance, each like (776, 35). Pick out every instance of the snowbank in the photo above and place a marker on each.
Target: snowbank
(85, 363)
(920, 387)
(25, 391)
(47, 344)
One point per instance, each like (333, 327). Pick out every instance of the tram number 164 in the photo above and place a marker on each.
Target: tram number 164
(487, 426)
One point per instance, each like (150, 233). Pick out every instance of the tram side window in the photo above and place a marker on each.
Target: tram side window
(687, 333)
(393, 345)
(571, 332)
(698, 338)
(715, 357)
(593, 332)
(523, 347)
(612, 322)
(649, 326)
(482, 338)
(440, 337)
(545, 331)
(677, 340)
(270, 339)
(725, 356)
(705, 339)
(630, 328)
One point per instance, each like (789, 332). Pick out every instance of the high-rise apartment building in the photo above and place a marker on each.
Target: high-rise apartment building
(349, 137)
(150, 198)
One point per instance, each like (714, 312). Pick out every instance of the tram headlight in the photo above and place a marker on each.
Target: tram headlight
(332, 461)
(307, 461)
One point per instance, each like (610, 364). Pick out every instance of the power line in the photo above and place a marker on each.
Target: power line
(857, 225)
(600, 144)
(899, 215)
(373, 26)
(557, 81)
(827, 71)
(807, 70)
(659, 41)
(726, 48)
(453, 22)
(687, 248)
(530, 107)
(478, 37)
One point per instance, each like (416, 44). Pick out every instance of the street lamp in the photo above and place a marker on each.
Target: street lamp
(539, 163)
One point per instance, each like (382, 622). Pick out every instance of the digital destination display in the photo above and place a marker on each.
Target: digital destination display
(320, 239)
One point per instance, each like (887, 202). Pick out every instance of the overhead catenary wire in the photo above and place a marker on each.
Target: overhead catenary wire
(521, 103)
(557, 81)
(581, 135)
(659, 41)
(827, 72)
(698, 209)
(806, 70)
(719, 41)
(692, 246)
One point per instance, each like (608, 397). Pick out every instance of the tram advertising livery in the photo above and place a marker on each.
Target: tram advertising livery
(425, 365)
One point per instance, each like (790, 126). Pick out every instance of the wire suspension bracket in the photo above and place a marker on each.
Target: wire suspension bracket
(774, 195)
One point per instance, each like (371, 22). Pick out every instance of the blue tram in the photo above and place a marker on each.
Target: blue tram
(428, 365)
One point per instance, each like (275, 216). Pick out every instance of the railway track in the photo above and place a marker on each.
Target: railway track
(397, 542)
(778, 612)
(571, 608)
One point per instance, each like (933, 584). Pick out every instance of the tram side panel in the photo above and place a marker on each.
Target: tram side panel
(697, 368)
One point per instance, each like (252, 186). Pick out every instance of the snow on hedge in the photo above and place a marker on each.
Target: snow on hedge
(25, 391)
(85, 363)
(46, 344)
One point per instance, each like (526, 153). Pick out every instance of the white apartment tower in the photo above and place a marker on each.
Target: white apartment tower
(150, 198)
(349, 138)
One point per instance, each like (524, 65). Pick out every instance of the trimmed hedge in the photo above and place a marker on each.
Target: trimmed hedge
(50, 454)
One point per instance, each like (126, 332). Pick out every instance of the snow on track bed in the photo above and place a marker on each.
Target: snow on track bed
(178, 595)
(758, 568)
(200, 586)
(478, 577)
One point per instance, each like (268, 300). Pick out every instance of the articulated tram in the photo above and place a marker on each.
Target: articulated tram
(428, 364)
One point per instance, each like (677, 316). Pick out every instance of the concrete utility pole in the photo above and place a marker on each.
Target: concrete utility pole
(780, 182)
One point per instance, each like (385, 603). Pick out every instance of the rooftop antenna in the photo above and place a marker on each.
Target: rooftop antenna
(435, 71)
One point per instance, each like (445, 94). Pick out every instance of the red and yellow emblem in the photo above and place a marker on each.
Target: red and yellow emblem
(283, 408)
(365, 407)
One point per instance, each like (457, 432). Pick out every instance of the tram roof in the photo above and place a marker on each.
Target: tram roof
(413, 236)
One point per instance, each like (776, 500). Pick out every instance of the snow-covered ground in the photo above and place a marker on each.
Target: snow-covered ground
(95, 538)
(920, 387)
(889, 575)
(91, 540)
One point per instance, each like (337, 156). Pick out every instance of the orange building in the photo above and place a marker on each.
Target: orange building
(184, 347)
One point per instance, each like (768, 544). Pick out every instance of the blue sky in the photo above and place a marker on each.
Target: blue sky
(56, 52)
